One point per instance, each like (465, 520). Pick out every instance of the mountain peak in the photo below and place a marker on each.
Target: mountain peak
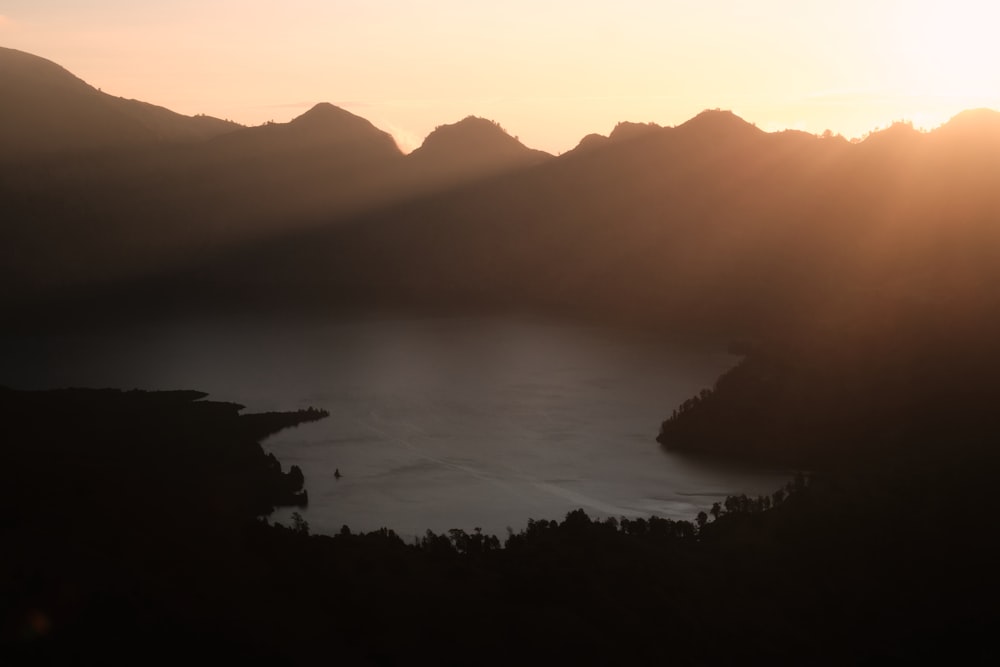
(591, 142)
(471, 132)
(326, 124)
(720, 122)
(900, 133)
(626, 130)
(324, 112)
(473, 145)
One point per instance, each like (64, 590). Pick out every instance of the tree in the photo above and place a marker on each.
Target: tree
(299, 525)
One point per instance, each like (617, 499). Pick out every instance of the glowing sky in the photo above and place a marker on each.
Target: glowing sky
(549, 71)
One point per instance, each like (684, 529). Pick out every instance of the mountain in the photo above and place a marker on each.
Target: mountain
(628, 131)
(472, 148)
(709, 225)
(97, 189)
(325, 162)
(120, 210)
(46, 110)
(973, 122)
(720, 124)
(590, 142)
(712, 223)
(324, 128)
(712, 126)
(332, 124)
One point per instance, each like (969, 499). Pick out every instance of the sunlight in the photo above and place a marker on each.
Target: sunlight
(946, 50)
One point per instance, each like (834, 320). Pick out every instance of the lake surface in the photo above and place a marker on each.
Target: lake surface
(435, 423)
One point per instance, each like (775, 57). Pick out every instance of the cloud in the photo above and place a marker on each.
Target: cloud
(406, 140)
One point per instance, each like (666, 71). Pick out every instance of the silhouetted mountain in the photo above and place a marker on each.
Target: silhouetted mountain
(712, 223)
(324, 163)
(98, 203)
(590, 142)
(99, 189)
(47, 110)
(471, 148)
(977, 122)
(723, 125)
(978, 126)
(713, 126)
(626, 131)
(324, 128)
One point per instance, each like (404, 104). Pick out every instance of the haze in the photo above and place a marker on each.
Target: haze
(591, 360)
(549, 72)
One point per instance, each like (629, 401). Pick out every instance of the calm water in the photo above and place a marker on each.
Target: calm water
(435, 423)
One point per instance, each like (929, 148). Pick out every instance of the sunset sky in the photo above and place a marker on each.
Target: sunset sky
(549, 71)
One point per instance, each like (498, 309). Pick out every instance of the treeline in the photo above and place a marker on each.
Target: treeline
(827, 570)
(652, 530)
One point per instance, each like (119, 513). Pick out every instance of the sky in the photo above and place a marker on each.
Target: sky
(549, 71)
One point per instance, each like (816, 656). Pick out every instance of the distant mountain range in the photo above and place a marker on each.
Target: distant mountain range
(98, 188)
(713, 223)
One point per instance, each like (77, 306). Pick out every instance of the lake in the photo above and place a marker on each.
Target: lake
(437, 422)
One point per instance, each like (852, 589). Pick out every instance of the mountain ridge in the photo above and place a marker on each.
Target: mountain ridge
(473, 147)
(713, 220)
(32, 78)
(50, 110)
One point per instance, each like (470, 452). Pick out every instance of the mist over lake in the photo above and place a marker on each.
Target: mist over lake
(435, 423)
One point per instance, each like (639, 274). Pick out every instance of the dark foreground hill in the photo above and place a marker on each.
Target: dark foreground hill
(130, 530)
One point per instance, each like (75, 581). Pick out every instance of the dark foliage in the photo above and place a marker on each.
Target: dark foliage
(837, 397)
(132, 522)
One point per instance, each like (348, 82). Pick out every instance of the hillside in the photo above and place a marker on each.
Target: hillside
(46, 110)
(115, 212)
(713, 224)
(471, 148)
(97, 190)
